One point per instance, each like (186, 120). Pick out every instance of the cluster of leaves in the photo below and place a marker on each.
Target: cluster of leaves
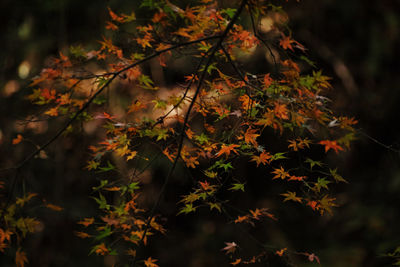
(221, 114)
(16, 224)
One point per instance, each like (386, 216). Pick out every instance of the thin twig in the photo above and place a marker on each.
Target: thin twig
(180, 144)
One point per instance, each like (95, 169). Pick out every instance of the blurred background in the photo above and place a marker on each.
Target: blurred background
(355, 42)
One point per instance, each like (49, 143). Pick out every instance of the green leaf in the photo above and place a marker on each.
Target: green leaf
(338, 178)
(322, 183)
(77, 51)
(229, 11)
(102, 184)
(103, 234)
(102, 202)
(278, 156)
(202, 138)
(187, 209)
(308, 61)
(109, 167)
(313, 163)
(216, 206)
(237, 187)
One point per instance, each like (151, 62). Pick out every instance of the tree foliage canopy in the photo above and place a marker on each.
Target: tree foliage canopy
(216, 116)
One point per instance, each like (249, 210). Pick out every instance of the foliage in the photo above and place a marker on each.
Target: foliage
(222, 115)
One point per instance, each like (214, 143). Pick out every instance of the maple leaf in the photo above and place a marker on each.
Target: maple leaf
(291, 196)
(313, 204)
(101, 249)
(296, 178)
(82, 234)
(17, 140)
(230, 247)
(54, 207)
(111, 26)
(236, 262)
(242, 219)
(227, 149)
(86, 222)
(331, 145)
(53, 112)
(259, 212)
(20, 258)
(5, 235)
(267, 80)
(280, 173)
(286, 42)
(114, 16)
(263, 158)
(281, 111)
(280, 252)
(250, 136)
(150, 262)
(312, 257)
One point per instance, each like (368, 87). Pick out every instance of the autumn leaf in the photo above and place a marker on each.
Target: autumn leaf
(54, 207)
(20, 258)
(150, 262)
(311, 257)
(280, 252)
(17, 140)
(286, 43)
(53, 112)
(280, 173)
(227, 149)
(263, 158)
(101, 249)
(82, 234)
(236, 262)
(5, 235)
(297, 178)
(86, 222)
(114, 16)
(230, 247)
(281, 111)
(250, 136)
(291, 196)
(331, 145)
(267, 80)
(22, 201)
(241, 219)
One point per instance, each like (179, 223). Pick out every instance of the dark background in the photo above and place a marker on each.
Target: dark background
(355, 42)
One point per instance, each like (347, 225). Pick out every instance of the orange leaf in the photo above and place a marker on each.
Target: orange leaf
(267, 80)
(263, 158)
(53, 112)
(101, 249)
(20, 258)
(17, 140)
(82, 234)
(331, 145)
(54, 207)
(280, 173)
(281, 111)
(242, 219)
(150, 262)
(286, 42)
(114, 16)
(280, 252)
(86, 222)
(250, 136)
(236, 262)
(227, 149)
